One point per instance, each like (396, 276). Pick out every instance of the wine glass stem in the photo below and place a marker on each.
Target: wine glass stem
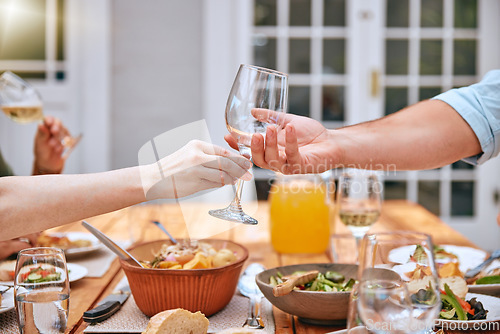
(358, 239)
(236, 202)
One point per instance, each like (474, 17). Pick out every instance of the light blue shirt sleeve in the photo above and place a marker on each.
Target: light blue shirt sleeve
(479, 106)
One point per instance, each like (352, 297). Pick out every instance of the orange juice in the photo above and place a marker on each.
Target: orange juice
(299, 215)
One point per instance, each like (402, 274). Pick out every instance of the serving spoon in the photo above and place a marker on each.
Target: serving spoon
(122, 253)
(248, 288)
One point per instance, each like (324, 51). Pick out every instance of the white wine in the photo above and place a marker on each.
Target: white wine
(359, 218)
(23, 114)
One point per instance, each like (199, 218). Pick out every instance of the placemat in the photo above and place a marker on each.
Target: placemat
(131, 320)
(98, 262)
(8, 322)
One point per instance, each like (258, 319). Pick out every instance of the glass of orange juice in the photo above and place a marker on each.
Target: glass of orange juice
(299, 214)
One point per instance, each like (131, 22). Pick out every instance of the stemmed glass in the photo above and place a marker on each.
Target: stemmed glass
(253, 88)
(41, 290)
(22, 103)
(359, 201)
(397, 289)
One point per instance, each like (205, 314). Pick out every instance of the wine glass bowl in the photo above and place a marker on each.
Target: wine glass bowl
(22, 103)
(359, 201)
(253, 88)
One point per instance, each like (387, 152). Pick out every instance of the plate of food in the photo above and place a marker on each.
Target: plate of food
(318, 294)
(76, 272)
(474, 306)
(40, 274)
(456, 261)
(6, 299)
(487, 281)
(72, 243)
(466, 257)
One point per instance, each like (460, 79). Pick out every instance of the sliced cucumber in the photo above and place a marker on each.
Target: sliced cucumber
(34, 277)
(52, 277)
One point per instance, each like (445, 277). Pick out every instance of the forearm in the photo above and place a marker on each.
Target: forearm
(426, 135)
(53, 200)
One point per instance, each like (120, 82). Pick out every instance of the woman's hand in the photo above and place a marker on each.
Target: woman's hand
(13, 246)
(302, 145)
(195, 167)
(48, 148)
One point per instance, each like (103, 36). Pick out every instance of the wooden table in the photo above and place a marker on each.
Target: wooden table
(86, 293)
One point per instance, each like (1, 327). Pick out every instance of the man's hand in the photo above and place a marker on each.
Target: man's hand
(300, 145)
(48, 148)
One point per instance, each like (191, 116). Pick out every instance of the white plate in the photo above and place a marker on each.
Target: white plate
(491, 304)
(72, 236)
(76, 272)
(468, 257)
(7, 300)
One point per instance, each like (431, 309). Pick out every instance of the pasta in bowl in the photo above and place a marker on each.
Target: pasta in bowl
(203, 287)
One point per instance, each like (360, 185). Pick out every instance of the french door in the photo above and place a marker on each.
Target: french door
(62, 48)
(355, 60)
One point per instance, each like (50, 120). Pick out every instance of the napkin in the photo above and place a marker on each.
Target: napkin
(99, 261)
(131, 320)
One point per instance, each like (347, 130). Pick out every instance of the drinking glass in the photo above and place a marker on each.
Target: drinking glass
(397, 289)
(359, 201)
(253, 88)
(41, 290)
(22, 103)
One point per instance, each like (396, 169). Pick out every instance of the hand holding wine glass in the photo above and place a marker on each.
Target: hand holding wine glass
(22, 103)
(253, 88)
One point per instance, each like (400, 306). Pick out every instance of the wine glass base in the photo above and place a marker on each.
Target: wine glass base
(234, 216)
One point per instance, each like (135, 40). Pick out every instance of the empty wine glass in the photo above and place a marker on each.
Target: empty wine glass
(359, 201)
(398, 290)
(22, 103)
(41, 290)
(253, 88)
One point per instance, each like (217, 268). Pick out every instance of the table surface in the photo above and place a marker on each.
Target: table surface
(86, 293)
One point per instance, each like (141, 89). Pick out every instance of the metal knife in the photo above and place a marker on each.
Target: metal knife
(108, 306)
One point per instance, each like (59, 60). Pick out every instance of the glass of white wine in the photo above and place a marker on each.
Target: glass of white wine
(22, 103)
(359, 201)
(253, 88)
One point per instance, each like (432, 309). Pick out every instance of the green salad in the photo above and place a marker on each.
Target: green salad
(330, 281)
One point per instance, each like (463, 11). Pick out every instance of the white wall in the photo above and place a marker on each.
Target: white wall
(156, 72)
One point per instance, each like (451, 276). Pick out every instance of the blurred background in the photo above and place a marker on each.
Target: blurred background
(124, 71)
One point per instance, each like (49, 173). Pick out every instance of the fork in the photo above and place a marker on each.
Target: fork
(161, 227)
(474, 271)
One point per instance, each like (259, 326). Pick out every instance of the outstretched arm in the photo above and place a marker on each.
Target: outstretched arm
(426, 135)
(34, 203)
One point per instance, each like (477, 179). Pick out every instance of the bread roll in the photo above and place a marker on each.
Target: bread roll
(177, 321)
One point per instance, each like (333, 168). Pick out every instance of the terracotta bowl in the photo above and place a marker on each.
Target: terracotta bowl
(314, 307)
(205, 290)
